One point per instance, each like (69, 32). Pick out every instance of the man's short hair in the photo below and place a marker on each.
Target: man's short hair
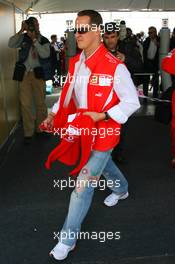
(154, 28)
(95, 17)
(31, 20)
(111, 27)
(53, 36)
(129, 29)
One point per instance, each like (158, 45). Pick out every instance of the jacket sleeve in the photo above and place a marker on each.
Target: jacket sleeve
(168, 63)
(133, 61)
(43, 50)
(15, 41)
(126, 92)
(133, 58)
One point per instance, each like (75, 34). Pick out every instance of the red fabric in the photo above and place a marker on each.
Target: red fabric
(168, 63)
(96, 103)
(71, 146)
(98, 91)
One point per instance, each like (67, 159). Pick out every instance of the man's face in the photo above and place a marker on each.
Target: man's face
(34, 24)
(54, 39)
(152, 33)
(86, 40)
(128, 33)
(111, 40)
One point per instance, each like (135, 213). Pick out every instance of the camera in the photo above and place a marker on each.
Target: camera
(30, 22)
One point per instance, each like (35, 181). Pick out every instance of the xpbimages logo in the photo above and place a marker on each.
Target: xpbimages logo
(96, 79)
(101, 236)
(71, 183)
(103, 28)
(72, 131)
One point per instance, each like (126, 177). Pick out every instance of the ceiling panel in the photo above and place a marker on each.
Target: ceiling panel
(101, 5)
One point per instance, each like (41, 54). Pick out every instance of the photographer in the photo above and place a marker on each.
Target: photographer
(32, 69)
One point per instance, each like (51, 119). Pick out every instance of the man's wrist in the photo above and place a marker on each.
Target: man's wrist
(107, 116)
(104, 116)
(51, 114)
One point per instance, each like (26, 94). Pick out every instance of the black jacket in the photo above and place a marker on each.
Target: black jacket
(133, 58)
(24, 52)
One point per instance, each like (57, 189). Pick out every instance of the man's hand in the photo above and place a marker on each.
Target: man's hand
(120, 56)
(33, 35)
(23, 27)
(48, 122)
(95, 116)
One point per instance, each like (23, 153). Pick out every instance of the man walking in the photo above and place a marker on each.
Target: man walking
(108, 94)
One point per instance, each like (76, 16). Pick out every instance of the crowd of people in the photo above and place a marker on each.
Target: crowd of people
(40, 60)
(138, 52)
(58, 57)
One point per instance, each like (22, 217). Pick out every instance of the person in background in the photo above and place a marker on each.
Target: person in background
(172, 40)
(151, 61)
(56, 60)
(32, 69)
(129, 33)
(130, 36)
(135, 39)
(142, 36)
(62, 45)
(127, 51)
(139, 43)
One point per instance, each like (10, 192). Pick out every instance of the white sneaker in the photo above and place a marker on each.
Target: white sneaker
(113, 198)
(60, 251)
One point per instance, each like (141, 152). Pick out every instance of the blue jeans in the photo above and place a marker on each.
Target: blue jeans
(81, 197)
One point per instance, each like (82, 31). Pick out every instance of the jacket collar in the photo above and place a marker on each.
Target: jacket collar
(94, 58)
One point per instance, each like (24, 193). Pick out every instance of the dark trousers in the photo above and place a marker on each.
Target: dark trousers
(150, 67)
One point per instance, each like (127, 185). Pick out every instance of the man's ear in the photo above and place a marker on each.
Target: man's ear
(98, 31)
(118, 36)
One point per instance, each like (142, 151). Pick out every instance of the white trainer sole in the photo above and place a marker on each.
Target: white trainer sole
(51, 254)
(109, 204)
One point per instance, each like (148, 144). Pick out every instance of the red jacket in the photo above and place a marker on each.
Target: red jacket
(168, 65)
(103, 66)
